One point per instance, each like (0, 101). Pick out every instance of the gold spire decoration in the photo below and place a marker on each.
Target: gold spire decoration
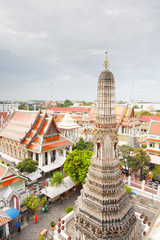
(106, 63)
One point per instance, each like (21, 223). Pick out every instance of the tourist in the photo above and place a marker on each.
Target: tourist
(50, 235)
(18, 225)
(35, 218)
(22, 218)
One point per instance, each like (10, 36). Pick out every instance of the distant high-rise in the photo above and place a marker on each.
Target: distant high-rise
(103, 211)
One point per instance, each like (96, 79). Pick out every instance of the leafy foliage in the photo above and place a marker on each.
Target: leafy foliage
(125, 154)
(32, 202)
(156, 172)
(82, 145)
(57, 179)
(67, 103)
(27, 165)
(76, 165)
(69, 209)
(41, 237)
(128, 189)
(139, 160)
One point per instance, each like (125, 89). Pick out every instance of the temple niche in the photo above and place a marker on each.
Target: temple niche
(103, 210)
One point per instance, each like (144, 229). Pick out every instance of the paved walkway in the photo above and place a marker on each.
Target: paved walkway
(30, 231)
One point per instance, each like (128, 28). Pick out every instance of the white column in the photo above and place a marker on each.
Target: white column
(64, 152)
(27, 154)
(129, 181)
(70, 149)
(143, 185)
(34, 156)
(15, 201)
(49, 157)
(7, 229)
(40, 160)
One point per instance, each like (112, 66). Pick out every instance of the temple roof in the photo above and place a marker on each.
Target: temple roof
(147, 119)
(67, 122)
(124, 115)
(35, 130)
(4, 218)
(8, 176)
(18, 124)
(154, 128)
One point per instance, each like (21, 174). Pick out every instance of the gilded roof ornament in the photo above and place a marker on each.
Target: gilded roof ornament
(106, 63)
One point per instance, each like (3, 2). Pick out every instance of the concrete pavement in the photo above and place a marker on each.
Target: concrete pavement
(31, 231)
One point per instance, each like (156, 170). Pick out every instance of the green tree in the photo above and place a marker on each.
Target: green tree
(32, 203)
(146, 113)
(67, 103)
(156, 172)
(76, 165)
(125, 154)
(27, 165)
(82, 145)
(139, 160)
(57, 179)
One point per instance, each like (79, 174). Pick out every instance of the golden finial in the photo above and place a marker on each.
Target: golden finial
(106, 63)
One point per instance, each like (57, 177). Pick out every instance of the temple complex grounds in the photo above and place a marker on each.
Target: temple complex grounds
(56, 211)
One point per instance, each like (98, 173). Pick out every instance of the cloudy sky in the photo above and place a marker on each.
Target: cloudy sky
(56, 47)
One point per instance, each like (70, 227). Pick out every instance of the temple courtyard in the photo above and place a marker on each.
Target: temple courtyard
(31, 231)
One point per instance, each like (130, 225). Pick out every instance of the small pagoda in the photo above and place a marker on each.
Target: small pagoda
(103, 210)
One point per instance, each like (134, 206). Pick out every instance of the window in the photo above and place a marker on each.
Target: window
(151, 144)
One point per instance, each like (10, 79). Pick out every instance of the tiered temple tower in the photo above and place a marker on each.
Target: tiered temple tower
(103, 210)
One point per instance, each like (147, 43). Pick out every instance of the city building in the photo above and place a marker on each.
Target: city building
(73, 111)
(33, 134)
(12, 188)
(103, 210)
(69, 128)
(4, 107)
(153, 142)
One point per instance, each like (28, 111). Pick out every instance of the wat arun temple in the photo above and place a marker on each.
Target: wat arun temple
(103, 210)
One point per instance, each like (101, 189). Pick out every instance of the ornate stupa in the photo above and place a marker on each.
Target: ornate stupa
(103, 210)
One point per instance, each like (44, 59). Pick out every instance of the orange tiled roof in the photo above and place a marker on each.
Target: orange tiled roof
(56, 145)
(38, 123)
(153, 140)
(155, 128)
(152, 150)
(8, 182)
(43, 127)
(70, 109)
(19, 123)
(50, 139)
(4, 218)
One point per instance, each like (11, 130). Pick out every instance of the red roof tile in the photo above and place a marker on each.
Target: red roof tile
(10, 181)
(145, 118)
(43, 127)
(155, 128)
(55, 145)
(49, 139)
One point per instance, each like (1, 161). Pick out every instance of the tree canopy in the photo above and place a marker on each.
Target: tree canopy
(76, 165)
(82, 145)
(125, 154)
(57, 179)
(156, 172)
(139, 160)
(67, 103)
(32, 202)
(27, 165)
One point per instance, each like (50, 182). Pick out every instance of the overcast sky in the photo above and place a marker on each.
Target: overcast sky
(56, 47)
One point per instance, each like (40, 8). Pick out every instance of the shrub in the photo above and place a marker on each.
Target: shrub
(69, 209)
(41, 238)
(128, 189)
(52, 224)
